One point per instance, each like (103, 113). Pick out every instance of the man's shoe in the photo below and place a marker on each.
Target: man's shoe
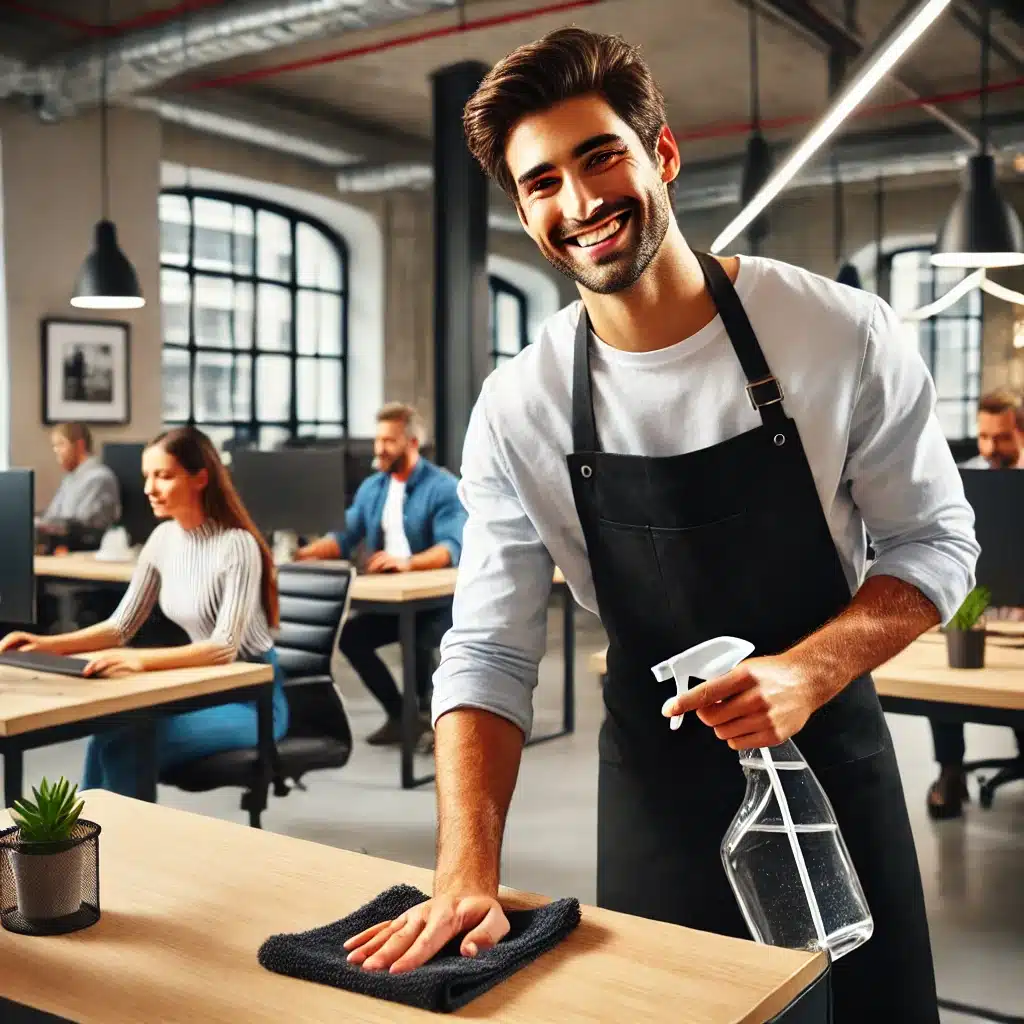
(946, 795)
(388, 735)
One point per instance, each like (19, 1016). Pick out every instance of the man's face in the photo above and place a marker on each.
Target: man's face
(589, 194)
(999, 440)
(391, 447)
(69, 453)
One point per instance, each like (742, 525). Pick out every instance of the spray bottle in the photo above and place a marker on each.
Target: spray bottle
(783, 854)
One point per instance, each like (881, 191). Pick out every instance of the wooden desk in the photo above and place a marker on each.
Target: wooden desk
(83, 565)
(39, 708)
(186, 902)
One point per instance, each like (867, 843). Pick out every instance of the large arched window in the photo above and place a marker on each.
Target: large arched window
(254, 319)
(949, 342)
(508, 320)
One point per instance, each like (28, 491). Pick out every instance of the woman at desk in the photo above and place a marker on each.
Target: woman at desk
(213, 575)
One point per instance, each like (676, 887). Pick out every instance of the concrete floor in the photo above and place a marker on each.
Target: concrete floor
(973, 868)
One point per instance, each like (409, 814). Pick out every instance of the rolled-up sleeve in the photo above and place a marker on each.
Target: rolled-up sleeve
(902, 475)
(489, 657)
(449, 518)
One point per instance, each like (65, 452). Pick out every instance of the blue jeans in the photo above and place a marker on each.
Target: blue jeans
(111, 758)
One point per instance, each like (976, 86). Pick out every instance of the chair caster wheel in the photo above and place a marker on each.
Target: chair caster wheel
(985, 797)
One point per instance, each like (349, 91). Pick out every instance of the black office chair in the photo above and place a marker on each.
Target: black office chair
(314, 606)
(1008, 769)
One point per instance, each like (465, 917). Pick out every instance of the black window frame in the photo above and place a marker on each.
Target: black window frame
(249, 431)
(497, 286)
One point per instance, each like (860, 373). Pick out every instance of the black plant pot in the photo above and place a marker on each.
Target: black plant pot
(966, 648)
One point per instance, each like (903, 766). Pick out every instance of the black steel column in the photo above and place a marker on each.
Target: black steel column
(461, 340)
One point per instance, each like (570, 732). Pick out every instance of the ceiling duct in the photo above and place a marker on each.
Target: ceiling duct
(144, 59)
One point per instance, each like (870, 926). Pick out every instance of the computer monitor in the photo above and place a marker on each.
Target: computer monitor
(299, 489)
(125, 460)
(997, 497)
(17, 527)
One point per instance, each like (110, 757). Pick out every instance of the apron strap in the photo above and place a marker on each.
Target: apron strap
(584, 425)
(763, 390)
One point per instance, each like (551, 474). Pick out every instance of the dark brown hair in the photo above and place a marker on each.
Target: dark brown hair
(73, 432)
(194, 451)
(1003, 400)
(563, 64)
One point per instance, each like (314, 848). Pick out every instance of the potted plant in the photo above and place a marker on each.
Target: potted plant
(965, 639)
(49, 855)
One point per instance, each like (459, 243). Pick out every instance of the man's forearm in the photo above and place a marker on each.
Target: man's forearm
(885, 615)
(436, 557)
(477, 756)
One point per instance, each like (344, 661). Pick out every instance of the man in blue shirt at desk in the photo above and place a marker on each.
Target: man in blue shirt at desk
(409, 517)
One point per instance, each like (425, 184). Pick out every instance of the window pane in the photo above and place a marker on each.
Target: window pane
(218, 435)
(243, 315)
(319, 324)
(274, 235)
(330, 406)
(273, 437)
(214, 301)
(244, 229)
(174, 306)
(174, 227)
(306, 388)
(950, 370)
(327, 430)
(241, 388)
(212, 386)
(508, 326)
(953, 417)
(213, 232)
(274, 326)
(174, 384)
(945, 279)
(910, 283)
(317, 262)
(273, 388)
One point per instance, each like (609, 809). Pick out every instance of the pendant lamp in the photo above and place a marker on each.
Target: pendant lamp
(982, 229)
(758, 165)
(107, 279)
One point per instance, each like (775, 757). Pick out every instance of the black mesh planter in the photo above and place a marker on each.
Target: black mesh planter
(52, 888)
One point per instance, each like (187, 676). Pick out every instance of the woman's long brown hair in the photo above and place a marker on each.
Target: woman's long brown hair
(221, 503)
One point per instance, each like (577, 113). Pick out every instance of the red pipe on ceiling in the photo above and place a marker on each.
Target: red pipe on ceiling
(147, 20)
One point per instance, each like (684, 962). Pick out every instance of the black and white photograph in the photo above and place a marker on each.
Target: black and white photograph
(85, 371)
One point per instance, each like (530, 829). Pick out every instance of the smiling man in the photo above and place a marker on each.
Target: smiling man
(699, 444)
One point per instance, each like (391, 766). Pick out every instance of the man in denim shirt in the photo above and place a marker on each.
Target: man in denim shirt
(409, 517)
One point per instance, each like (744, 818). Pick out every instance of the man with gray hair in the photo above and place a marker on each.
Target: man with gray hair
(409, 516)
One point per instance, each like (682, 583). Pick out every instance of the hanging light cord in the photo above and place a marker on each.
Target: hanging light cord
(104, 174)
(755, 98)
(986, 30)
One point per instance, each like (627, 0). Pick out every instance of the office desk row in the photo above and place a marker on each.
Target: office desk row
(186, 902)
(401, 594)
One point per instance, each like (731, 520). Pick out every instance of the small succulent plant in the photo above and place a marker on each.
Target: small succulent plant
(51, 817)
(971, 611)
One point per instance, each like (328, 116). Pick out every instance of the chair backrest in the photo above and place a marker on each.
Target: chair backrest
(315, 600)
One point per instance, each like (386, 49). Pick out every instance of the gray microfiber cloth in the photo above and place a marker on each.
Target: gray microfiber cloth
(446, 982)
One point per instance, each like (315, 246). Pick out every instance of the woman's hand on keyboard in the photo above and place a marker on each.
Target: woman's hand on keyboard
(115, 663)
(20, 641)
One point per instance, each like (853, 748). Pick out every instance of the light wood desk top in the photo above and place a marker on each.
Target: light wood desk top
(387, 587)
(32, 700)
(186, 902)
(922, 672)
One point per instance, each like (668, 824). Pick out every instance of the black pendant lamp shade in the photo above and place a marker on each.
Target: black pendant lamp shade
(982, 229)
(107, 279)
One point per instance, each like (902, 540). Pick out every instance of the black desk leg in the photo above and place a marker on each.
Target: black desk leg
(410, 698)
(569, 661)
(146, 766)
(256, 802)
(14, 767)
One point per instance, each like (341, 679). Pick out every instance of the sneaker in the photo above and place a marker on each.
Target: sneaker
(946, 795)
(390, 733)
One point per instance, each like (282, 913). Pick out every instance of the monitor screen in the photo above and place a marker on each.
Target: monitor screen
(17, 527)
(997, 497)
(125, 459)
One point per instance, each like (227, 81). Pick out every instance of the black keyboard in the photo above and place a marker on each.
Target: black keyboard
(39, 661)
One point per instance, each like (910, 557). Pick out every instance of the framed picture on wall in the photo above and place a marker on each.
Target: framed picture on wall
(86, 371)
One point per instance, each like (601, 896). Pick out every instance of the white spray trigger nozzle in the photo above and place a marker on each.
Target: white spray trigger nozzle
(705, 661)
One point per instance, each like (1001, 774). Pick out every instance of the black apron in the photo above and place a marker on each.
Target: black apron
(732, 540)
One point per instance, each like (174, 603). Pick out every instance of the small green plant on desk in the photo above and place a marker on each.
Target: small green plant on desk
(48, 857)
(965, 642)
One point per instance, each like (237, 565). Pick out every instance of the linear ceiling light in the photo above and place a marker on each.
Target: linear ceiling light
(912, 26)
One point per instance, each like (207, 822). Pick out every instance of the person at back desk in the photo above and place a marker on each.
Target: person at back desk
(1000, 446)
(88, 495)
(410, 518)
(213, 575)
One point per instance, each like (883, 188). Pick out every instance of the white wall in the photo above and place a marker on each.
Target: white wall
(365, 299)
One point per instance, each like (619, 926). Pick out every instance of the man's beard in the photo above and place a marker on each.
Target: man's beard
(624, 267)
(397, 465)
(1001, 461)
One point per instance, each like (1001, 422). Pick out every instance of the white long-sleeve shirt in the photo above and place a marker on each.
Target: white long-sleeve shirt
(208, 581)
(862, 399)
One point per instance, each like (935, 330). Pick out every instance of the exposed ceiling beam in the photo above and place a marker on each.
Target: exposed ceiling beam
(1003, 46)
(830, 32)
